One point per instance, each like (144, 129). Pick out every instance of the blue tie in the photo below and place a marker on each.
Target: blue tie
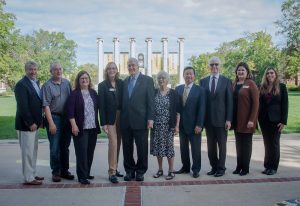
(131, 85)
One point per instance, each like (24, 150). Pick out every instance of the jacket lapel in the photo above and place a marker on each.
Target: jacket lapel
(29, 84)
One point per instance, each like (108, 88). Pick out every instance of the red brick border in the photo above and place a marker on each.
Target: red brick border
(134, 184)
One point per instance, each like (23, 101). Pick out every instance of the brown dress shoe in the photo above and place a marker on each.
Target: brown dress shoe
(34, 182)
(39, 178)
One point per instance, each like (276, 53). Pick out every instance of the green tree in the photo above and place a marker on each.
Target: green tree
(46, 47)
(289, 26)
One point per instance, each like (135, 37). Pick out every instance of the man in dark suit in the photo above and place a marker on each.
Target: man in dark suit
(218, 119)
(191, 122)
(136, 118)
(28, 120)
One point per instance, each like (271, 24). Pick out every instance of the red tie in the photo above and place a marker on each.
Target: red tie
(213, 85)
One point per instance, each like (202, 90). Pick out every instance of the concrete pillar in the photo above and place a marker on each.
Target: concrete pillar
(100, 59)
(165, 54)
(181, 59)
(116, 55)
(149, 56)
(132, 47)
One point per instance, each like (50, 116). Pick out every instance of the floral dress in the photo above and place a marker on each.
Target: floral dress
(162, 137)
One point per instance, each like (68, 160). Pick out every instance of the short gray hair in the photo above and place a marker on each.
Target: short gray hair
(163, 74)
(29, 64)
(53, 65)
(217, 59)
(133, 60)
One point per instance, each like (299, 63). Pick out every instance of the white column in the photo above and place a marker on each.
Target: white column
(132, 47)
(149, 56)
(116, 51)
(181, 59)
(165, 54)
(100, 59)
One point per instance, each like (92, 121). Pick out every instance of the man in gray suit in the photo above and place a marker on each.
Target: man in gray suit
(218, 116)
(136, 118)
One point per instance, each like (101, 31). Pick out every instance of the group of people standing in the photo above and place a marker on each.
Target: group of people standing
(130, 108)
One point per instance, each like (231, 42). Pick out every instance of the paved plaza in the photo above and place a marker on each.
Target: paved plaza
(232, 190)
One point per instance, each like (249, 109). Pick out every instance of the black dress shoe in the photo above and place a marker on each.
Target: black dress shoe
(90, 177)
(182, 171)
(84, 181)
(129, 177)
(118, 174)
(195, 174)
(236, 171)
(271, 172)
(212, 172)
(113, 179)
(265, 171)
(67, 176)
(244, 172)
(139, 177)
(219, 173)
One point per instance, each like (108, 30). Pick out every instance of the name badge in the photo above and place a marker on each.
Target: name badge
(112, 89)
(245, 86)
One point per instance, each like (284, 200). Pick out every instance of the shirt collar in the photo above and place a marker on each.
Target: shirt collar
(216, 76)
(190, 85)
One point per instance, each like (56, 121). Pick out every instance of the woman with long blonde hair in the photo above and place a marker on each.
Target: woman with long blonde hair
(273, 114)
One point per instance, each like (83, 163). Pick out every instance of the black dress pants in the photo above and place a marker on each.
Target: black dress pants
(195, 141)
(84, 150)
(243, 146)
(216, 141)
(271, 137)
(140, 137)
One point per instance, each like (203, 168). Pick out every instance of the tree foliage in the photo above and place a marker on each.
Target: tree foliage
(256, 49)
(289, 26)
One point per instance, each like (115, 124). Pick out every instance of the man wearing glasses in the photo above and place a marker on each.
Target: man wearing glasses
(218, 116)
(55, 94)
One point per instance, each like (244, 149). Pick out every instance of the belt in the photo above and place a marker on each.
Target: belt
(57, 114)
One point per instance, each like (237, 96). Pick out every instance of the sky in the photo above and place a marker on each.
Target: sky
(205, 24)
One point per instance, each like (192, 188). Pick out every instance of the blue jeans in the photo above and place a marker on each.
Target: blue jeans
(54, 140)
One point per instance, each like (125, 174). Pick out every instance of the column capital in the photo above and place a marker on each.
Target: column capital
(116, 39)
(181, 39)
(148, 39)
(164, 39)
(131, 39)
(99, 40)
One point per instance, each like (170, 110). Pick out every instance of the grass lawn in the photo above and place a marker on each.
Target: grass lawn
(8, 111)
(7, 120)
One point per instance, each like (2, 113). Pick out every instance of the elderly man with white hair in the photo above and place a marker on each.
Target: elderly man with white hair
(136, 118)
(219, 109)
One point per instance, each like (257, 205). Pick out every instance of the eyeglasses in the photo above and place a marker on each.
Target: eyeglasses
(83, 78)
(214, 64)
(270, 73)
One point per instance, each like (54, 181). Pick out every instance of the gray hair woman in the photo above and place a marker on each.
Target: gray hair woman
(166, 124)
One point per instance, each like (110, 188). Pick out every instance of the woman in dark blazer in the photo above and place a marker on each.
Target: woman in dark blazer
(272, 118)
(83, 115)
(110, 99)
(245, 112)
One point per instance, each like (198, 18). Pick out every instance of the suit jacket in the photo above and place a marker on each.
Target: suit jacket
(277, 109)
(76, 108)
(193, 112)
(110, 100)
(139, 108)
(246, 107)
(29, 105)
(218, 105)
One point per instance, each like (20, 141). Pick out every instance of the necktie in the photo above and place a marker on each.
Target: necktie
(130, 86)
(185, 95)
(213, 85)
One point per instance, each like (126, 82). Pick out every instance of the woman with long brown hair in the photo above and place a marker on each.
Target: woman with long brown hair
(245, 107)
(273, 114)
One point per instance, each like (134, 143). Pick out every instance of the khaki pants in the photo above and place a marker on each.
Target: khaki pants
(114, 137)
(29, 147)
